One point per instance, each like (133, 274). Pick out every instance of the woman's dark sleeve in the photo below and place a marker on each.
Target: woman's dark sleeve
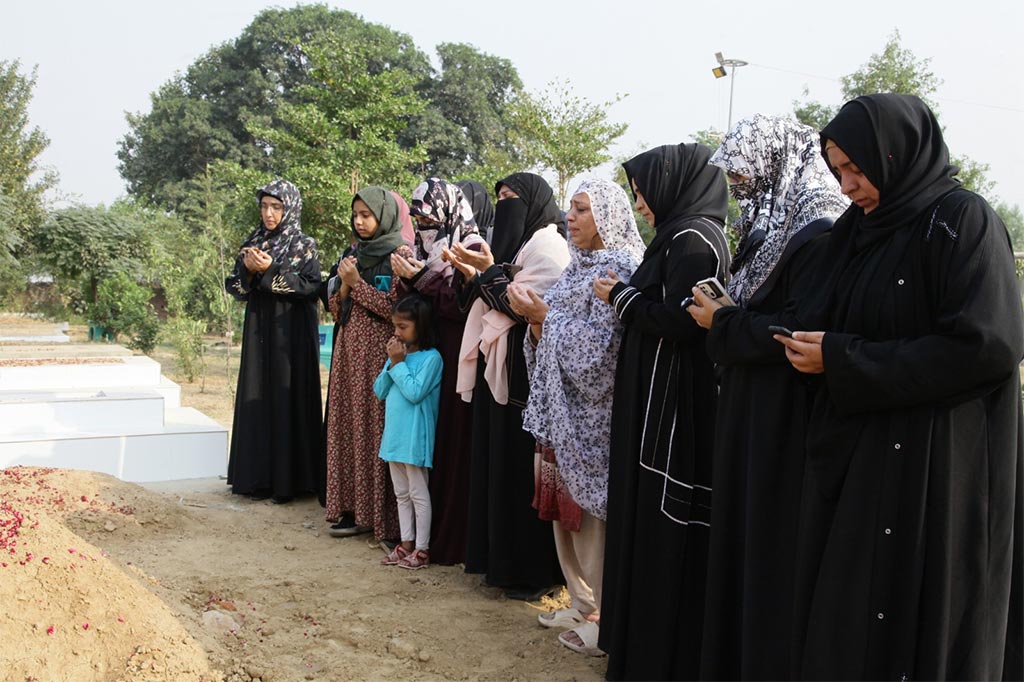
(978, 336)
(689, 259)
(740, 336)
(493, 285)
(302, 283)
(239, 282)
(442, 291)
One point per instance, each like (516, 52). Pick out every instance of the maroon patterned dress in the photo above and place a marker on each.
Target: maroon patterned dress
(358, 481)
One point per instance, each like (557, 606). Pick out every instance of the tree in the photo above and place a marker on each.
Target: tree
(23, 182)
(564, 132)
(83, 246)
(208, 113)
(895, 69)
(464, 126)
(1013, 218)
(812, 113)
(343, 137)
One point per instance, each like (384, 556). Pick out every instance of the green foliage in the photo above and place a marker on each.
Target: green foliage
(1013, 218)
(896, 69)
(196, 246)
(464, 127)
(812, 113)
(22, 181)
(564, 132)
(187, 336)
(343, 137)
(84, 245)
(208, 113)
(122, 307)
(972, 175)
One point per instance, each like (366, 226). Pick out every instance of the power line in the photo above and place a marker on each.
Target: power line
(986, 105)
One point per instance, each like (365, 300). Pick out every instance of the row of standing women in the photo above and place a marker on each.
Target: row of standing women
(729, 499)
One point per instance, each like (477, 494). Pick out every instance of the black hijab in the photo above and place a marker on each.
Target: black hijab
(480, 202)
(896, 142)
(677, 183)
(516, 220)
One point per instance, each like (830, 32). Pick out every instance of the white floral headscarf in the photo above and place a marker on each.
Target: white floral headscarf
(570, 405)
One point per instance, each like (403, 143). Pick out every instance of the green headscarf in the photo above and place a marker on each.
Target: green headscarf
(388, 237)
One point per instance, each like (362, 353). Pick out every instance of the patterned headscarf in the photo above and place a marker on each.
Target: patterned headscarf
(570, 404)
(789, 187)
(286, 243)
(443, 202)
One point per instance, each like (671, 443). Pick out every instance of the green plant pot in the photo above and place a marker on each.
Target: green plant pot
(98, 333)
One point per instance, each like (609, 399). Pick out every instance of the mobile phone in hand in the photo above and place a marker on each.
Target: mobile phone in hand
(713, 289)
(781, 331)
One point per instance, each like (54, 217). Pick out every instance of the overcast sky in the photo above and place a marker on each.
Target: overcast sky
(99, 59)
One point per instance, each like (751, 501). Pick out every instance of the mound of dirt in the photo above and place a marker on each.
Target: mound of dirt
(183, 581)
(72, 613)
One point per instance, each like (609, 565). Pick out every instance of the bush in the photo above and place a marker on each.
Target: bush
(187, 336)
(122, 307)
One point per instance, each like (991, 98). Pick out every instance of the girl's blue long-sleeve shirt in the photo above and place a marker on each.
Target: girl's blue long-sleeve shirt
(411, 391)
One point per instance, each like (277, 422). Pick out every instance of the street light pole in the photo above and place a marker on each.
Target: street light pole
(722, 71)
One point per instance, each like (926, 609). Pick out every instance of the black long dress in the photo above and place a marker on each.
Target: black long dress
(663, 424)
(912, 502)
(276, 434)
(763, 408)
(505, 539)
(910, 549)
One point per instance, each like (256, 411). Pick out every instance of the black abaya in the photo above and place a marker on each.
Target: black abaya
(506, 541)
(276, 434)
(763, 409)
(663, 424)
(909, 555)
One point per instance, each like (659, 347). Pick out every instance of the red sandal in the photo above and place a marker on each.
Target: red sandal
(415, 560)
(396, 556)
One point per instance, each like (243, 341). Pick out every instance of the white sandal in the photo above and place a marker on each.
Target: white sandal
(588, 633)
(562, 618)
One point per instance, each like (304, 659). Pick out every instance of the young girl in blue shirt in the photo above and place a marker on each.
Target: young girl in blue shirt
(410, 385)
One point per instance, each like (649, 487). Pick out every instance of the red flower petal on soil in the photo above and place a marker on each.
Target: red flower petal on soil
(84, 498)
(85, 626)
(50, 630)
(71, 550)
(46, 559)
(120, 619)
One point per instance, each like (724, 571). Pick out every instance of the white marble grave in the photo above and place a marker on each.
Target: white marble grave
(97, 407)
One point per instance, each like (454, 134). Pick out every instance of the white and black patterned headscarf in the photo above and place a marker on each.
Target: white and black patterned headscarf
(444, 203)
(570, 405)
(789, 187)
(286, 243)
